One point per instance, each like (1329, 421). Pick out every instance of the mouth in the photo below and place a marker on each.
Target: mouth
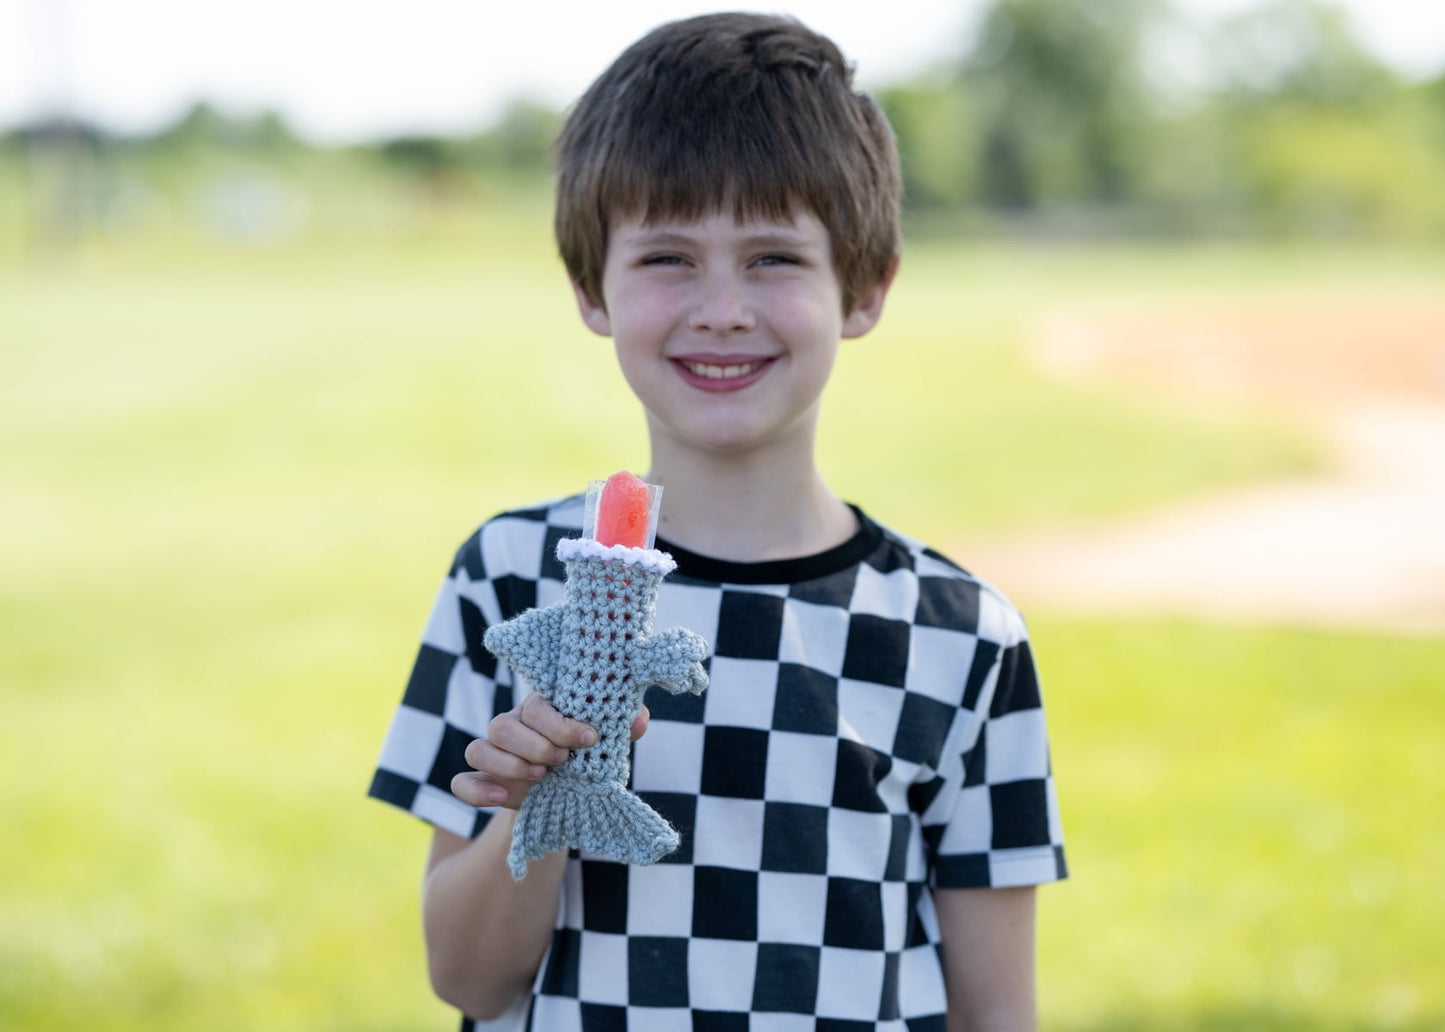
(720, 372)
(712, 373)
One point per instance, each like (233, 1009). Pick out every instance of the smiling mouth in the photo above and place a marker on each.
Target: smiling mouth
(721, 372)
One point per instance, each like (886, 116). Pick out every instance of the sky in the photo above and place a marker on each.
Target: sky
(343, 70)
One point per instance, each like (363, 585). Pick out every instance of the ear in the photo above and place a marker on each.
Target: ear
(868, 308)
(594, 313)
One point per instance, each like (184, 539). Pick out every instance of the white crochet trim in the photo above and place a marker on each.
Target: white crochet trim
(650, 559)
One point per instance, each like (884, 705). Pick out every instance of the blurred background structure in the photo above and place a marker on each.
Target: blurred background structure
(276, 278)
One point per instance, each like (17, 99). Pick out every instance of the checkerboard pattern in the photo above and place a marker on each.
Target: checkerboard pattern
(872, 728)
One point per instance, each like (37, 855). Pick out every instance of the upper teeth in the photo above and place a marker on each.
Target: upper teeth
(720, 372)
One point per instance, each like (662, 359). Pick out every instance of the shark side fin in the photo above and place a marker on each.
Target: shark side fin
(529, 643)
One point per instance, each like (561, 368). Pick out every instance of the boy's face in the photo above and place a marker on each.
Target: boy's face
(726, 331)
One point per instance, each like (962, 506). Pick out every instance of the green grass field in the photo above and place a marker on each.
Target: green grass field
(230, 483)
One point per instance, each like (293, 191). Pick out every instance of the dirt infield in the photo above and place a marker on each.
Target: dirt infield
(1363, 546)
(1315, 356)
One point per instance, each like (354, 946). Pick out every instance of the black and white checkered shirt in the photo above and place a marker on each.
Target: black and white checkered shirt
(872, 729)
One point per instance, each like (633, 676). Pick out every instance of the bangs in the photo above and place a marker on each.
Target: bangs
(727, 145)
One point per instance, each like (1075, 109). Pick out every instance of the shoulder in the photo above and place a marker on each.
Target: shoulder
(512, 543)
(949, 597)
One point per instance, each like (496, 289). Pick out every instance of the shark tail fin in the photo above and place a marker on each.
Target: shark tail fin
(602, 817)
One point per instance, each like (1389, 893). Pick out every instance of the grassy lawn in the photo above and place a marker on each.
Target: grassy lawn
(231, 482)
(1249, 842)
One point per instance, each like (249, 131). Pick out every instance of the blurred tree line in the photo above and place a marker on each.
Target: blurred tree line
(1093, 117)
(1062, 118)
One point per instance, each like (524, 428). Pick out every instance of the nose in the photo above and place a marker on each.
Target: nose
(721, 307)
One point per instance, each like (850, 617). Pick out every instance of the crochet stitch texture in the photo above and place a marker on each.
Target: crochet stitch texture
(593, 656)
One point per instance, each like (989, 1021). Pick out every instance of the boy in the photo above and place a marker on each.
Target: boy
(863, 792)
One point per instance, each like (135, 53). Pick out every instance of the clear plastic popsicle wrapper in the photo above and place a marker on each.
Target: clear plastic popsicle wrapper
(593, 656)
(622, 510)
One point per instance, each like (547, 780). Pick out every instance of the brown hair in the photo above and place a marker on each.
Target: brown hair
(755, 112)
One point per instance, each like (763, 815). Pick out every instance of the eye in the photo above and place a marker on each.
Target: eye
(661, 258)
(778, 258)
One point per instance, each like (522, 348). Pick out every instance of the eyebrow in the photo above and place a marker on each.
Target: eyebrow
(770, 238)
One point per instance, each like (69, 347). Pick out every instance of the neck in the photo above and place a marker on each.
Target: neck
(748, 508)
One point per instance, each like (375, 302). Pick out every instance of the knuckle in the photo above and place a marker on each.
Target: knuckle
(541, 714)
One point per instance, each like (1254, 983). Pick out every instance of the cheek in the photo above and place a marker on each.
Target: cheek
(637, 317)
(811, 321)
(639, 345)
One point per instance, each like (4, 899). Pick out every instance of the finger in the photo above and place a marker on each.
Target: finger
(501, 764)
(544, 718)
(478, 790)
(639, 723)
(508, 733)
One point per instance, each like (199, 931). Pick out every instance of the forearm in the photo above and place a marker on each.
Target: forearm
(486, 934)
(988, 957)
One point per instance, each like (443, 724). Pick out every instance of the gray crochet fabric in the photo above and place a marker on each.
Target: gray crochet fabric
(592, 656)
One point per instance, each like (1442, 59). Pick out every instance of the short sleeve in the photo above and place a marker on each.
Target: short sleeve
(994, 821)
(452, 694)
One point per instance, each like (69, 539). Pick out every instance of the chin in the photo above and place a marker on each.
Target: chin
(739, 441)
(734, 434)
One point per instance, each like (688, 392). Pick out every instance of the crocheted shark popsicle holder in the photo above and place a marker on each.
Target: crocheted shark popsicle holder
(593, 656)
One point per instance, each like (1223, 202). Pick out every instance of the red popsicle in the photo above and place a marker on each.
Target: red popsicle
(624, 511)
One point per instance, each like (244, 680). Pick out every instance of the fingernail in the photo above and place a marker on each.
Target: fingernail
(560, 756)
(497, 794)
(588, 737)
(536, 772)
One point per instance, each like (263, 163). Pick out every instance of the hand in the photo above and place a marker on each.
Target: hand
(520, 746)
